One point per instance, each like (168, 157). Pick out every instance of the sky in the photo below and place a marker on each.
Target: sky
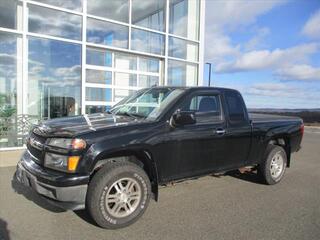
(269, 50)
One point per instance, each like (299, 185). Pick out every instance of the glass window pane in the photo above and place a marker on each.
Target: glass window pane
(97, 109)
(149, 14)
(55, 23)
(182, 74)
(119, 94)
(146, 41)
(148, 64)
(11, 132)
(236, 110)
(97, 76)
(125, 61)
(107, 33)
(148, 81)
(99, 57)
(10, 14)
(99, 94)
(115, 10)
(54, 86)
(179, 48)
(185, 18)
(75, 5)
(125, 79)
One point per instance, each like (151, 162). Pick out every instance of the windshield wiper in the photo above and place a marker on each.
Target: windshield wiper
(134, 115)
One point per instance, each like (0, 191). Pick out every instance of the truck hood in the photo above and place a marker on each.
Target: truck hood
(70, 126)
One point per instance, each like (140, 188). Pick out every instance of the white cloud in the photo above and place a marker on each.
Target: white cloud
(225, 16)
(266, 59)
(312, 26)
(299, 72)
(258, 40)
(52, 23)
(67, 72)
(272, 90)
(219, 46)
(8, 59)
(235, 13)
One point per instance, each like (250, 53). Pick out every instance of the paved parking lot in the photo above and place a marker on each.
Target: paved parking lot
(225, 207)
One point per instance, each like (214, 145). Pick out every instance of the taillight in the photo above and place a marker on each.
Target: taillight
(302, 129)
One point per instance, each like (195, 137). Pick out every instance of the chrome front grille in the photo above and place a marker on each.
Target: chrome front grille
(35, 146)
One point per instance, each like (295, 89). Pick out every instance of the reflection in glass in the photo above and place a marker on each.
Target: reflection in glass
(97, 109)
(115, 9)
(8, 14)
(148, 81)
(125, 61)
(148, 64)
(182, 73)
(149, 14)
(75, 5)
(107, 33)
(54, 86)
(11, 133)
(98, 76)
(99, 57)
(185, 18)
(98, 94)
(125, 79)
(148, 42)
(119, 94)
(55, 23)
(179, 48)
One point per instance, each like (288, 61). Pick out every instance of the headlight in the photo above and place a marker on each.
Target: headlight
(76, 144)
(61, 162)
(56, 161)
(60, 142)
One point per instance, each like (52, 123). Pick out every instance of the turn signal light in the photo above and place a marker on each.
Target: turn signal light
(73, 163)
(78, 144)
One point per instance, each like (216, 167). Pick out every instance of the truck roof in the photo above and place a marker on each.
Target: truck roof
(196, 88)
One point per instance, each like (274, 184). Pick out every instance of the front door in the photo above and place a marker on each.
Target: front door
(199, 148)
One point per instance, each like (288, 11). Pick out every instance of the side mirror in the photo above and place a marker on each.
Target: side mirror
(182, 118)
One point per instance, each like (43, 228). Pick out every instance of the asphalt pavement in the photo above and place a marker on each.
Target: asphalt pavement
(233, 206)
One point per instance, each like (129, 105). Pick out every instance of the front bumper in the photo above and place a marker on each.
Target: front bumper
(66, 191)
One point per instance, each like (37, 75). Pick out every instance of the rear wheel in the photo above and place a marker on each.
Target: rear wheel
(274, 165)
(118, 194)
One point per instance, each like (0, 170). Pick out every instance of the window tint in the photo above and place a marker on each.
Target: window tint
(237, 113)
(206, 107)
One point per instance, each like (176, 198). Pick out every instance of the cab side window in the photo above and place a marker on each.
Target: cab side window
(235, 105)
(207, 108)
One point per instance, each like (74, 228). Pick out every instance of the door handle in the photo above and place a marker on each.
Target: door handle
(220, 131)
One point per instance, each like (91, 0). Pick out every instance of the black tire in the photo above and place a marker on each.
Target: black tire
(264, 169)
(103, 182)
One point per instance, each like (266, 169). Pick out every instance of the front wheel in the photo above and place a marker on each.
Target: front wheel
(273, 165)
(118, 194)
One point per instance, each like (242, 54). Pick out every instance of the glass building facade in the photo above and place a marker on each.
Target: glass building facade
(68, 57)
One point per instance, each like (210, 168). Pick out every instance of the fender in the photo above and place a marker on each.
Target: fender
(137, 154)
(281, 137)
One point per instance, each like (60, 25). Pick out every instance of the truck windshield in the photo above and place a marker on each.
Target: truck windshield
(148, 103)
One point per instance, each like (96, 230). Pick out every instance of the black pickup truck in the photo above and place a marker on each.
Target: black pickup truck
(112, 163)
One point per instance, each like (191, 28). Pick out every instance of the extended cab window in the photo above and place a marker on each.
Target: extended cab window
(206, 107)
(236, 110)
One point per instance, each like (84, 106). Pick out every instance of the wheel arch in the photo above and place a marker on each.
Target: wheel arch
(141, 157)
(284, 142)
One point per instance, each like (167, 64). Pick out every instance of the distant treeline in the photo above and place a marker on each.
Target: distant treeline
(307, 116)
